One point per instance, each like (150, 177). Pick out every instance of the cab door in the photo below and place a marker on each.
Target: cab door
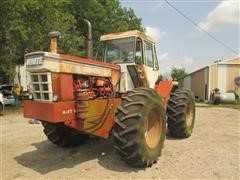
(150, 63)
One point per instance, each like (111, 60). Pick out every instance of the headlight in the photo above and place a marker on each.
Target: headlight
(30, 96)
(55, 98)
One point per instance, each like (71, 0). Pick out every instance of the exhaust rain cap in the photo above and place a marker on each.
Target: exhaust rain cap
(54, 35)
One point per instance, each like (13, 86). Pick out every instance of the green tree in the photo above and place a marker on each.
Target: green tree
(24, 25)
(178, 73)
(105, 16)
(160, 78)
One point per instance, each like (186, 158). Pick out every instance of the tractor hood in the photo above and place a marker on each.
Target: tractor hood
(59, 63)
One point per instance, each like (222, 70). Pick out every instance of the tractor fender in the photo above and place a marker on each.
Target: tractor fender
(164, 88)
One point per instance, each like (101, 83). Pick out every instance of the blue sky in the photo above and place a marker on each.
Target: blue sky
(179, 43)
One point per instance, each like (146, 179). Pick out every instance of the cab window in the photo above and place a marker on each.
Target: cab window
(149, 54)
(138, 54)
(156, 66)
(119, 50)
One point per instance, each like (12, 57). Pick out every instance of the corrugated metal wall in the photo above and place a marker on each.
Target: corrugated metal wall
(232, 72)
(222, 77)
(187, 82)
(213, 77)
(198, 83)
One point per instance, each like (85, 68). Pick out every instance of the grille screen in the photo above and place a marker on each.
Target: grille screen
(41, 84)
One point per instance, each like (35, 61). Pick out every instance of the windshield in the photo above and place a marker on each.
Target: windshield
(118, 50)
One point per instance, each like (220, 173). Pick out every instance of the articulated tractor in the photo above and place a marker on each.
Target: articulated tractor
(116, 94)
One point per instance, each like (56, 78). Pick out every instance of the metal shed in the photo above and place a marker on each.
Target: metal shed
(219, 75)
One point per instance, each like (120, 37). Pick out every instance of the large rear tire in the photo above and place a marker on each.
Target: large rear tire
(62, 135)
(181, 113)
(140, 127)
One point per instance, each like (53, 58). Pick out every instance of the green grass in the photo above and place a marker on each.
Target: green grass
(238, 101)
(235, 105)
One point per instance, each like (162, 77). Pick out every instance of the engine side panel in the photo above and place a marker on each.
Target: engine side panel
(99, 120)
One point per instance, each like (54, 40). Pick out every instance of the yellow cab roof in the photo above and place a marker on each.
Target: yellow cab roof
(132, 33)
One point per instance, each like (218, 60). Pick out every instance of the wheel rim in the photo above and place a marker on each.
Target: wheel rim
(153, 128)
(189, 115)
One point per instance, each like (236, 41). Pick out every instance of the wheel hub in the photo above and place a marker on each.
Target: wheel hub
(189, 115)
(153, 126)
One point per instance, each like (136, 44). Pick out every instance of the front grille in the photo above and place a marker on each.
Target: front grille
(41, 85)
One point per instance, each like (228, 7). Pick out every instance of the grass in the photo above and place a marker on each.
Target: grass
(238, 101)
(235, 105)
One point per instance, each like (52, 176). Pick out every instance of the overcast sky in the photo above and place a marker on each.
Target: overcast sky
(180, 43)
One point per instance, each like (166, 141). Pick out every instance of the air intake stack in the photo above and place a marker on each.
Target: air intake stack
(54, 35)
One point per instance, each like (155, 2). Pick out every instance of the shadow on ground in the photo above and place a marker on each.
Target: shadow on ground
(48, 157)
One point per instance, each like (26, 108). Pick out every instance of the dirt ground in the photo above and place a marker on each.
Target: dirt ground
(211, 152)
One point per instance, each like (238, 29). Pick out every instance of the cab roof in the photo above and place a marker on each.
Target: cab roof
(132, 33)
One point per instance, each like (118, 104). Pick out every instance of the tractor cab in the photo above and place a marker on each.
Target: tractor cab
(135, 52)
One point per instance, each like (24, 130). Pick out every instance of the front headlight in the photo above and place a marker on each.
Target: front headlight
(30, 96)
(55, 98)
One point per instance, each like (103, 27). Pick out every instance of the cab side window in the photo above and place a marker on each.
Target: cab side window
(149, 54)
(156, 66)
(138, 55)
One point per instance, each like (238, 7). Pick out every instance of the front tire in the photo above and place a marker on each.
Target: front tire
(63, 136)
(181, 113)
(140, 127)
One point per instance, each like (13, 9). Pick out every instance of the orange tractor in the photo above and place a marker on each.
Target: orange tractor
(77, 97)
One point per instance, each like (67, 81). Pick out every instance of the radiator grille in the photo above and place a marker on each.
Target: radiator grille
(41, 84)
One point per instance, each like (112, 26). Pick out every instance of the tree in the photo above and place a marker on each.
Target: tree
(160, 78)
(178, 73)
(24, 25)
(105, 16)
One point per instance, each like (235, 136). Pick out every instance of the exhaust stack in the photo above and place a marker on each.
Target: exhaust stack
(89, 42)
(54, 35)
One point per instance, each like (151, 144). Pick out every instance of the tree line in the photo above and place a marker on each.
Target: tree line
(25, 24)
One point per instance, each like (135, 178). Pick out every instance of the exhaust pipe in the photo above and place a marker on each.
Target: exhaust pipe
(89, 42)
(54, 35)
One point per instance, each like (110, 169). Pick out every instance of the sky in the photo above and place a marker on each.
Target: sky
(179, 42)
